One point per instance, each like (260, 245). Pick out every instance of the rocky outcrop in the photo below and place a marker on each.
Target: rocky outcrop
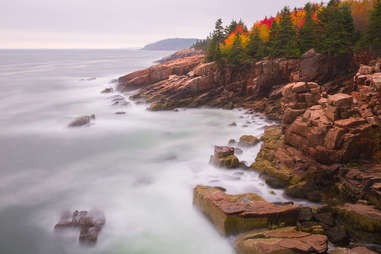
(362, 221)
(158, 73)
(82, 121)
(187, 82)
(357, 250)
(284, 240)
(224, 157)
(234, 214)
(89, 223)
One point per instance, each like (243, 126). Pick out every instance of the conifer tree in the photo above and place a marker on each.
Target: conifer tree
(307, 30)
(213, 52)
(287, 37)
(335, 29)
(373, 33)
(255, 49)
(273, 45)
(236, 56)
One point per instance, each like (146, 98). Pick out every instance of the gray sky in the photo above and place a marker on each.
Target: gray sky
(120, 23)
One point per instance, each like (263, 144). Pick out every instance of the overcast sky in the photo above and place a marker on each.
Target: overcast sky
(120, 23)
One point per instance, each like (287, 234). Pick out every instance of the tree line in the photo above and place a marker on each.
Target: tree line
(329, 29)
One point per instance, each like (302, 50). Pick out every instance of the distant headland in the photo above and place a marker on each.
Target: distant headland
(171, 44)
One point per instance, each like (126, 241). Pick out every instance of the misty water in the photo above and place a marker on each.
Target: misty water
(138, 168)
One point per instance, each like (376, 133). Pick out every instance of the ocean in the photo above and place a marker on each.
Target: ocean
(138, 168)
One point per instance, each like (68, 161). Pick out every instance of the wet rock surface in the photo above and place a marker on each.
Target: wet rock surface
(224, 157)
(234, 214)
(285, 240)
(89, 224)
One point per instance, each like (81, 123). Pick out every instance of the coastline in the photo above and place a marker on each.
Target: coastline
(282, 90)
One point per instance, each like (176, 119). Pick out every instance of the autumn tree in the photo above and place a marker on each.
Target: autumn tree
(236, 57)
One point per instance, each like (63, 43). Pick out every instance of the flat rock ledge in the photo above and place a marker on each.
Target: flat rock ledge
(235, 214)
(281, 241)
(90, 224)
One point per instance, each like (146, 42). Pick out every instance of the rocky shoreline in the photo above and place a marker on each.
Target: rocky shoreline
(327, 147)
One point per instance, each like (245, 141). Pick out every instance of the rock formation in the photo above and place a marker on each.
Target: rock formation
(82, 121)
(283, 240)
(89, 224)
(326, 148)
(224, 157)
(234, 214)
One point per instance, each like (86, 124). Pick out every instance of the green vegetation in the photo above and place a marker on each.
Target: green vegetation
(334, 29)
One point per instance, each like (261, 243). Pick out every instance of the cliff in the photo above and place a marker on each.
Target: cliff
(327, 146)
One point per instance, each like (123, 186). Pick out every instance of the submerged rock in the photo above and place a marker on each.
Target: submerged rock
(284, 240)
(81, 121)
(89, 223)
(234, 214)
(107, 90)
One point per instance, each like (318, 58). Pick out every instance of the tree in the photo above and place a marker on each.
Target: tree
(255, 49)
(213, 48)
(233, 25)
(286, 43)
(335, 29)
(373, 34)
(236, 56)
(307, 30)
(273, 45)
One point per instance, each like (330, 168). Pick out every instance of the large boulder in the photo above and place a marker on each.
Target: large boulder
(234, 214)
(361, 220)
(281, 241)
(248, 141)
(89, 223)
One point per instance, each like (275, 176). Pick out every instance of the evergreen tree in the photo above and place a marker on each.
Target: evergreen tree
(213, 52)
(335, 29)
(307, 31)
(287, 37)
(373, 33)
(255, 49)
(236, 56)
(273, 45)
(231, 27)
(219, 33)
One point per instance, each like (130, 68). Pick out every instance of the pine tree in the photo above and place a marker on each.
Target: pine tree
(335, 29)
(273, 45)
(236, 57)
(213, 52)
(255, 48)
(307, 31)
(219, 31)
(373, 34)
(287, 37)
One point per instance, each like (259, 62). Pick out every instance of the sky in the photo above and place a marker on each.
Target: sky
(121, 23)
